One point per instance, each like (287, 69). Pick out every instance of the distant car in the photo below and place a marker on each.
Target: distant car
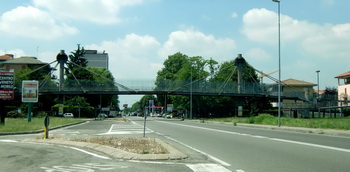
(68, 115)
(102, 115)
(169, 116)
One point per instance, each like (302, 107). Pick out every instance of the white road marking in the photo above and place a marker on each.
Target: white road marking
(9, 141)
(201, 152)
(311, 144)
(89, 153)
(263, 137)
(87, 167)
(207, 168)
(126, 129)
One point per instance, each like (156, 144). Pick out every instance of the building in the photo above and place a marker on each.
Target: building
(3, 58)
(96, 59)
(300, 97)
(18, 64)
(343, 88)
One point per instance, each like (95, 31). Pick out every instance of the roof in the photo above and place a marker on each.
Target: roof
(23, 60)
(294, 82)
(6, 57)
(344, 75)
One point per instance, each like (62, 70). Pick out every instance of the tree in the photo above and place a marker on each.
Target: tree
(103, 79)
(76, 64)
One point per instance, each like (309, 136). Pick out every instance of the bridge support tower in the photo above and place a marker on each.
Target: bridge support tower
(240, 63)
(61, 58)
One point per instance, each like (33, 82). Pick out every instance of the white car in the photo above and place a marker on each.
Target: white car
(68, 115)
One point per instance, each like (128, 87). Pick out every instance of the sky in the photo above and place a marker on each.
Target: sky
(139, 35)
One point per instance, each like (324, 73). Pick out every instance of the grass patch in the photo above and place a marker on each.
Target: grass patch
(266, 119)
(13, 125)
(129, 144)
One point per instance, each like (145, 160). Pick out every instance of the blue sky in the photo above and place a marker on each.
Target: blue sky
(140, 34)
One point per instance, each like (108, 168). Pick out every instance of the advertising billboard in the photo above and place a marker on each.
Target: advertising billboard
(6, 85)
(30, 91)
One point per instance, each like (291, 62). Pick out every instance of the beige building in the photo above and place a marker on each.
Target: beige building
(343, 88)
(298, 97)
(18, 64)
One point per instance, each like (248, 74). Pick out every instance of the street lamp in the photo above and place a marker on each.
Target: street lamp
(191, 95)
(279, 63)
(318, 85)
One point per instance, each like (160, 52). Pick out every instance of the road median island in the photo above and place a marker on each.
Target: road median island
(170, 154)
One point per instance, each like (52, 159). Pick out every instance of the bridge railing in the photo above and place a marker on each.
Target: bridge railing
(169, 86)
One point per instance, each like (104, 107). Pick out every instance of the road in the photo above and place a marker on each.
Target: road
(210, 147)
(251, 149)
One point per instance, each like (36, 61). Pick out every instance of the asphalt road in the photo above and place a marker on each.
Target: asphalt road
(251, 149)
(210, 147)
(16, 154)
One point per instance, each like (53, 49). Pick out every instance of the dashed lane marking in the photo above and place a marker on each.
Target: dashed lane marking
(207, 168)
(9, 141)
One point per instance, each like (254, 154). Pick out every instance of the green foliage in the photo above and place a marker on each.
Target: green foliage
(22, 125)
(262, 118)
(182, 68)
(14, 114)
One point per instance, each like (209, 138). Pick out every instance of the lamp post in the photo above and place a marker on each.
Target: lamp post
(318, 85)
(191, 95)
(279, 63)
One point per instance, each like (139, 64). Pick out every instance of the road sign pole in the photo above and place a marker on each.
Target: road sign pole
(29, 112)
(2, 113)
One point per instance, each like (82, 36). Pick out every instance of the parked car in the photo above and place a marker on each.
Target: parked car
(102, 115)
(68, 115)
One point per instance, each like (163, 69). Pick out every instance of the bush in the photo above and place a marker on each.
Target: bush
(14, 114)
(251, 120)
(41, 114)
(263, 117)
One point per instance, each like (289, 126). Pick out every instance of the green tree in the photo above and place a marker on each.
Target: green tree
(76, 64)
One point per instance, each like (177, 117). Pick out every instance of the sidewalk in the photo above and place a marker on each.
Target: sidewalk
(344, 133)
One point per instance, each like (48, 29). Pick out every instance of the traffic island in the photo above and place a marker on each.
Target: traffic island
(170, 154)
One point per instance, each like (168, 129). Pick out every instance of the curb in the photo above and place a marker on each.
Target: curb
(333, 132)
(344, 133)
(173, 154)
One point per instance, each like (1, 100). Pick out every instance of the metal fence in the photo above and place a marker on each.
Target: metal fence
(167, 86)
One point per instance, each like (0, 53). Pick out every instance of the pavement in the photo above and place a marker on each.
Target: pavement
(333, 132)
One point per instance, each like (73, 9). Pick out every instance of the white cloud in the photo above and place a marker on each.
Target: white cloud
(96, 11)
(258, 55)
(16, 53)
(132, 57)
(33, 23)
(328, 41)
(195, 43)
(261, 25)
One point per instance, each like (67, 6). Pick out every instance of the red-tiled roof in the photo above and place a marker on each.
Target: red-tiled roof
(344, 75)
(5, 57)
(23, 60)
(294, 82)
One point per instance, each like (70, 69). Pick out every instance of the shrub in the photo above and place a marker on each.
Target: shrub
(14, 114)
(263, 117)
